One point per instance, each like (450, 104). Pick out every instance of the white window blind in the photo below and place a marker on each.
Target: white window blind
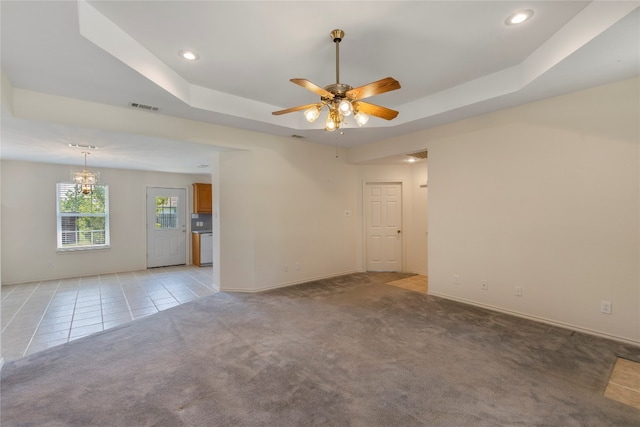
(82, 219)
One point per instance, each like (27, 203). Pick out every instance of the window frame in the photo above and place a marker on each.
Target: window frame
(60, 247)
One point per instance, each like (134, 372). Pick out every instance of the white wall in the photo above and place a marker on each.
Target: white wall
(281, 213)
(1, 358)
(29, 221)
(546, 197)
(281, 201)
(417, 247)
(414, 210)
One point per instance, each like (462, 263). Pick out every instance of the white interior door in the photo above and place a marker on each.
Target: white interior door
(383, 223)
(166, 227)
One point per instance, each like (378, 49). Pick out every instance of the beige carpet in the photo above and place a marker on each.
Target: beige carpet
(349, 351)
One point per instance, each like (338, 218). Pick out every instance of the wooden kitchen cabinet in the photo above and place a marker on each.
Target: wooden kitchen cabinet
(195, 249)
(202, 198)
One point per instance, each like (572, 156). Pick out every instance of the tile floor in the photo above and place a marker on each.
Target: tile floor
(416, 283)
(39, 315)
(624, 384)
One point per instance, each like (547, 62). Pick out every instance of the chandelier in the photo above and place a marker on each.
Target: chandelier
(85, 179)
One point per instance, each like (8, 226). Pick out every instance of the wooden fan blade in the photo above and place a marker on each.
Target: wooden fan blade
(374, 88)
(313, 88)
(291, 110)
(376, 110)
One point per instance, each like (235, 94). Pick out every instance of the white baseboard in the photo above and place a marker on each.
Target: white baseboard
(421, 273)
(540, 319)
(285, 284)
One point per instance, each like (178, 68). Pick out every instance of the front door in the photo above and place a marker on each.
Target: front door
(383, 218)
(166, 227)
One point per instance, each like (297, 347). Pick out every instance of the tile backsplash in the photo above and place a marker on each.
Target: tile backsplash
(201, 222)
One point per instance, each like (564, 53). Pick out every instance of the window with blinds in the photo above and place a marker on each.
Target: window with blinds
(82, 219)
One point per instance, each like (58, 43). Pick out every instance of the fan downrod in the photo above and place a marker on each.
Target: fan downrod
(337, 36)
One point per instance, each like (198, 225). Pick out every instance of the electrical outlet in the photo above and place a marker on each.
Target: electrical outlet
(456, 279)
(484, 285)
(605, 307)
(518, 291)
(286, 268)
(50, 263)
(297, 266)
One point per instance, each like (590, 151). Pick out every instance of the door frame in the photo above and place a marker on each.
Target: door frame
(187, 220)
(403, 186)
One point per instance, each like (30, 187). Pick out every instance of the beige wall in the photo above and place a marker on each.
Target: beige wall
(414, 210)
(1, 358)
(29, 221)
(281, 214)
(545, 197)
(278, 217)
(417, 245)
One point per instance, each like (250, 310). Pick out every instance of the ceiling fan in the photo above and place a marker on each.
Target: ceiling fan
(343, 100)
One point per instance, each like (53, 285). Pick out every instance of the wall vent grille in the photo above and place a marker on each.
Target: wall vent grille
(143, 106)
(419, 154)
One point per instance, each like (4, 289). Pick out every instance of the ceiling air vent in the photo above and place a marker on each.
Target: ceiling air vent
(143, 106)
(419, 154)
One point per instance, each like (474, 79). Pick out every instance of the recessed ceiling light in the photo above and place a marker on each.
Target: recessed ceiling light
(189, 55)
(519, 17)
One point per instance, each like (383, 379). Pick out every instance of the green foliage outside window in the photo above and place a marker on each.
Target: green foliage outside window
(166, 212)
(83, 218)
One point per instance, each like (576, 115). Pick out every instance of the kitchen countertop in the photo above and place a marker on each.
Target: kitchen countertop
(201, 231)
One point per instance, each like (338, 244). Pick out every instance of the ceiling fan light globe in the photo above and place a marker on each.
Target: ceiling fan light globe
(361, 119)
(345, 107)
(330, 125)
(312, 114)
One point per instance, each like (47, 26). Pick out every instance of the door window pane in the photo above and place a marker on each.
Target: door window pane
(166, 213)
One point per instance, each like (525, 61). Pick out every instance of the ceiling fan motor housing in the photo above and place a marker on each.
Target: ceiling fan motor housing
(339, 90)
(343, 100)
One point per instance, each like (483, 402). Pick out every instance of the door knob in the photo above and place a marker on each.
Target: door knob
(398, 231)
